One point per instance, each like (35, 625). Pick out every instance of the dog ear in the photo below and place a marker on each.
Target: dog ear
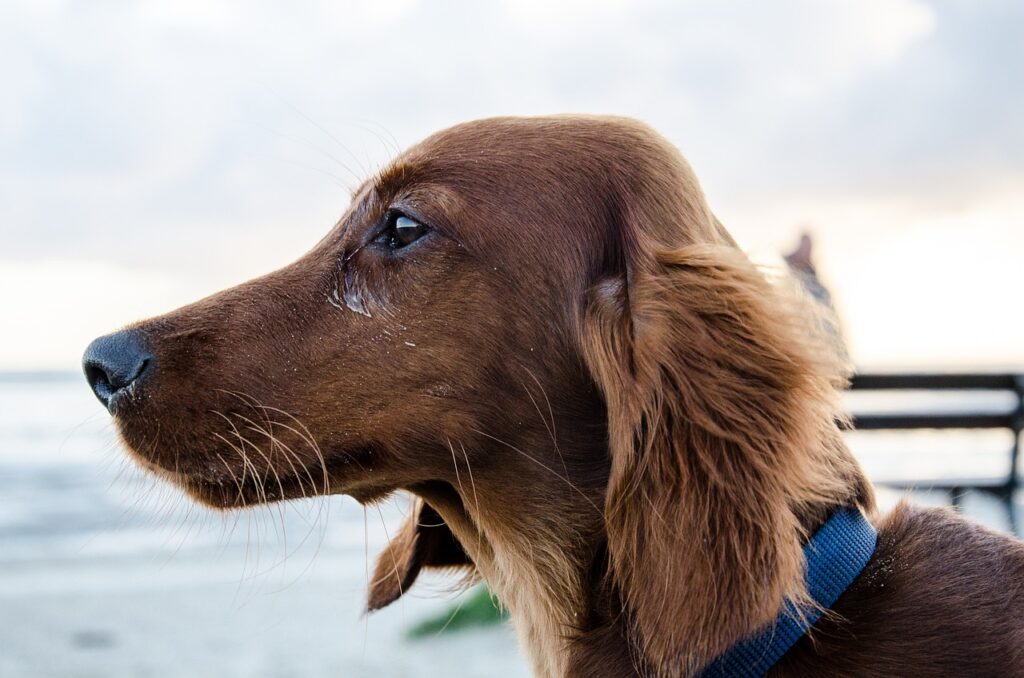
(721, 416)
(424, 540)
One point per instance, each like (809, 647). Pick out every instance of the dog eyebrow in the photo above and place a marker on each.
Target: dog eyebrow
(393, 178)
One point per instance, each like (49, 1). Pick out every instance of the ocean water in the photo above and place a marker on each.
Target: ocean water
(106, 572)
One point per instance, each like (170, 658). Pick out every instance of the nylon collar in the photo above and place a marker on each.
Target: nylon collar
(835, 556)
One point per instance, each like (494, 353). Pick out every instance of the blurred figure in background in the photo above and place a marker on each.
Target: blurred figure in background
(801, 263)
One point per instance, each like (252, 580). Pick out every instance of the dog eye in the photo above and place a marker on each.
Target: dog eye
(402, 231)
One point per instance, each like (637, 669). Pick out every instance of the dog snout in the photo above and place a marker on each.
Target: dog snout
(115, 362)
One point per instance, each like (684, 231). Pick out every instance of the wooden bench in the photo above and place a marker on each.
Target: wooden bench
(1011, 419)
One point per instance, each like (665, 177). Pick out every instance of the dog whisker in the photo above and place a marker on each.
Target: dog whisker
(550, 427)
(540, 464)
(323, 512)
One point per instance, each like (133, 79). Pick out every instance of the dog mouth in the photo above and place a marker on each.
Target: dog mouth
(230, 467)
(235, 452)
(223, 486)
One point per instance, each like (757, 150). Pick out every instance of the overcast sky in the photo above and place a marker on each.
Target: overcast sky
(154, 152)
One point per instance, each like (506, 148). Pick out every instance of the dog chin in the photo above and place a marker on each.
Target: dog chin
(219, 491)
(217, 486)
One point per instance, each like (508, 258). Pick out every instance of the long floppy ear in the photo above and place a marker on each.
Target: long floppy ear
(721, 414)
(424, 540)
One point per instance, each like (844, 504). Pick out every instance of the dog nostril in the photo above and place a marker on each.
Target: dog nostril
(96, 377)
(113, 363)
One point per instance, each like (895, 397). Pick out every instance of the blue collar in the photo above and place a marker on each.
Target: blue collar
(835, 556)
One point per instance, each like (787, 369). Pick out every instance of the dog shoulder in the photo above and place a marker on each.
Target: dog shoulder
(942, 596)
(940, 537)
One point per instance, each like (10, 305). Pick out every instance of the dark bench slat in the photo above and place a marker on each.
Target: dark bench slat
(989, 382)
(899, 421)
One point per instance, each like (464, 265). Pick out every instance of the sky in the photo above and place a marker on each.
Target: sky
(154, 152)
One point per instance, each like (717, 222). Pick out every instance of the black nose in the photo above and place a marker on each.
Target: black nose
(115, 362)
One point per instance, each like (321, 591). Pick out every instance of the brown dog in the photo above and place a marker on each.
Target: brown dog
(538, 327)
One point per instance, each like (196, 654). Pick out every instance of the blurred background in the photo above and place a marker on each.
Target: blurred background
(154, 152)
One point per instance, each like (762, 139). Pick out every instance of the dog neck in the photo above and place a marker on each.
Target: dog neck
(569, 617)
(532, 561)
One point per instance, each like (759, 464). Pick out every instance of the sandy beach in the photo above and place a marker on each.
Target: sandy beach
(116, 617)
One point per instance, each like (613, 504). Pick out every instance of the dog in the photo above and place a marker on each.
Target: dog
(538, 328)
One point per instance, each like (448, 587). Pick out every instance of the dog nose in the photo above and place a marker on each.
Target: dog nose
(113, 363)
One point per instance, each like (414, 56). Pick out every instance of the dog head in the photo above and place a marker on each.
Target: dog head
(540, 319)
